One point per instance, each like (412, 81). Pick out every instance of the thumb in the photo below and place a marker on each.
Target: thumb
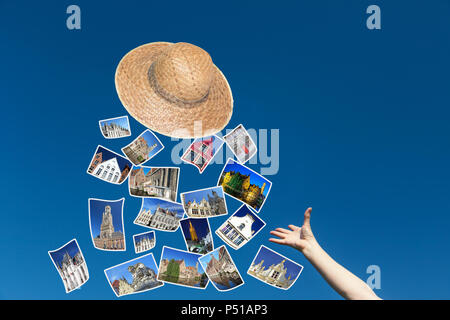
(307, 218)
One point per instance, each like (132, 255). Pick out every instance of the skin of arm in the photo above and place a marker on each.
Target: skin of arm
(340, 279)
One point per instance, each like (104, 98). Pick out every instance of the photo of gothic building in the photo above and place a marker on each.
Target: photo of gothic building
(201, 151)
(244, 184)
(143, 148)
(240, 228)
(160, 214)
(109, 166)
(134, 276)
(221, 269)
(154, 182)
(204, 203)
(274, 269)
(197, 235)
(71, 266)
(181, 268)
(115, 127)
(144, 241)
(241, 144)
(106, 223)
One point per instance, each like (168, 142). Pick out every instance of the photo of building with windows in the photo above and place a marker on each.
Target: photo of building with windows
(109, 166)
(144, 241)
(221, 269)
(106, 222)
(134, 276)
(274, 269)
(197, 235)
(201, 151)
(154, 182)
(241, 143)
(203, 203)
(115, 127)
(182, 268)
(71, 266)
(143, 148)
(160, 214)
(244, 184)
(240, 228)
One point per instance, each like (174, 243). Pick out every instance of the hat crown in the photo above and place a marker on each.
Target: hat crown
(184, 71)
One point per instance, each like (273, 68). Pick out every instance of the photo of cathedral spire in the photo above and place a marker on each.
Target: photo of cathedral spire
(143, 148)
(109, 166)
(115, 127)
(204, 203)
(197, 235)
(134, 276)
(106, 224)
(274, 269)
(70, 264)
(244, 184)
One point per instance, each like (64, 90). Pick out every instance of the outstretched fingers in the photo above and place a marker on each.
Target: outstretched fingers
(279, 241)
(278, 234)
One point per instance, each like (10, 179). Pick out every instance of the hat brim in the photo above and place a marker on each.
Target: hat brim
(143, 103)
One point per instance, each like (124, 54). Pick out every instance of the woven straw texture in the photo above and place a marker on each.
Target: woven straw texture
(174, 89)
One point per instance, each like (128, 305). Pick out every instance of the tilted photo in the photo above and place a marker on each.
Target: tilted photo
(154, 182)
(204, 203)
(143, 148)
(108, 166)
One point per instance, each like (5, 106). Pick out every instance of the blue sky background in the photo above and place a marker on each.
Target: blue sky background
(71, 248)
(122, 121)
(200, 225)
(271, 258)
(151, 139)
(190, 258)
(150, 235)
(120, 271)
(364, 134)
(97, 207)
(243, 211)
(153, 203)
(199, 195)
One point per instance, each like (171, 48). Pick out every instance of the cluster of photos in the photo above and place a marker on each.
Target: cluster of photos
(201, 262)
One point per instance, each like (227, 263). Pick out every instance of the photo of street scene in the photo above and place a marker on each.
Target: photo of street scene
(154, 182)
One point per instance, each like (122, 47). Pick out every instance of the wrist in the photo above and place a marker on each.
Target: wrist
(311, 249)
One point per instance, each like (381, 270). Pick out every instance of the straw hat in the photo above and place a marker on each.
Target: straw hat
(174, 89)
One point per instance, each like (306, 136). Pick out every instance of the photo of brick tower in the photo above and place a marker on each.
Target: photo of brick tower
(182, 268)
(201, 151)
(197, 235)
(143, 148)
(106, 223)
(244, 184)
(203, 203)
(154, 182)
(71, 266)
(109, 166)
(134, 276)
(221, 269)
(144, 241)
(274, 269)
(115, 127)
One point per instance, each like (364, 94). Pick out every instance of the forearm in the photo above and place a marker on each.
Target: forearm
(343, 281)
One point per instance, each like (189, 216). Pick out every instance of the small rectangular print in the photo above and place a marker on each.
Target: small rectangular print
(204, 203)
(143, 148)
(114, 128)
(144, 241)
(240, 142)
(160, 214)
(154, 182)
(108, 166)
(197, 235)
(201, 151)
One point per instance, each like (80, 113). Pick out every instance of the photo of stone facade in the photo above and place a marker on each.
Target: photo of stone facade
(143, 148)
(154, 182)
(144, 241)
(160, 214)
(203, 203)
(201, 151)
(115, 127)
(241, 144)
(109, 166)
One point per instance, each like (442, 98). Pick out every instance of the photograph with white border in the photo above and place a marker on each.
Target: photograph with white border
(106, 224)
(115, 128)
(160, 214)
(144, 241)
(143, 148)
(244, 184)
(154, 182)
(182, 268)
(241, 144)
(71, 265)
(274, 269)
(204, 203)
(221, 269)
(240, 228)
(202, 151)
(134, 276)
(197, 235)
(109, 166)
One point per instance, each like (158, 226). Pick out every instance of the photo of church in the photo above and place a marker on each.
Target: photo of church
(154, 182)
(221, 269)
(204, 203)
(274, 269)
(201, 151)
(182, 268)
(244, 184)
(106, 224)
(240, 142)
(197, 235)
(144, 241)
(143, 148)
(160, 214)
(115, 127)
(108, 166)
(134, 276)
(70, 264)
(240, 228)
